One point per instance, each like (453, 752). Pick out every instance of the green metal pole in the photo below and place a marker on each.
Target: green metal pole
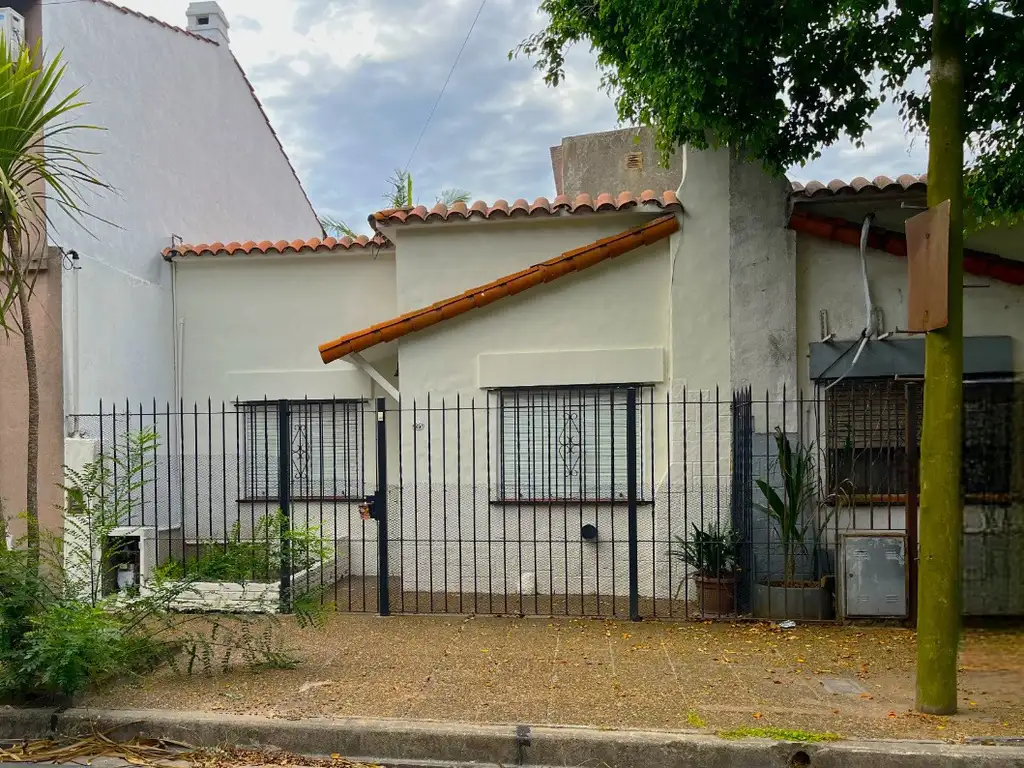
(941, 528)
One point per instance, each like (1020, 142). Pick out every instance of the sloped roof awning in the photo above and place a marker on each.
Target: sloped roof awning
(571, 261)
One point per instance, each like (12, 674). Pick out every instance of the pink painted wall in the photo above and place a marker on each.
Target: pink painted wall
(46, 321)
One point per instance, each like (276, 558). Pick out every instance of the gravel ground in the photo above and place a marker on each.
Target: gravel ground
(714, 676)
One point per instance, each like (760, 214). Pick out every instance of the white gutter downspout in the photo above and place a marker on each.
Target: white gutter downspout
(75, 349)
(177, 336)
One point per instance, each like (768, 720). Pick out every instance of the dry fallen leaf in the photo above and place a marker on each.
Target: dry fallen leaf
(867, 696)
(757, 715)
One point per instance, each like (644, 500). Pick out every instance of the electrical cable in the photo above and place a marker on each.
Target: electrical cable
(445, 86)
(865, 335)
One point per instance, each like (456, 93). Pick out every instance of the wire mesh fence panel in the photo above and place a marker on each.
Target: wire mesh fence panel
(599, 501)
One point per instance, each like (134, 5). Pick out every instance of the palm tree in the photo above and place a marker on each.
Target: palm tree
(400, 193)
(336, 228)
(31, 177)
(398, 196)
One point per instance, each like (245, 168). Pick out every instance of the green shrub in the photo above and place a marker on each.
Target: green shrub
(72, 645)
(59, 635)
(255, 559)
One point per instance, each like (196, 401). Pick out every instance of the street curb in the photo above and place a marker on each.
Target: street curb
(409, 741)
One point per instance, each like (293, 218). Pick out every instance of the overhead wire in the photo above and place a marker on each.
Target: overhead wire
(444, 87)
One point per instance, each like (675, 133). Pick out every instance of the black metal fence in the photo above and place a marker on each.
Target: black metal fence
(625, 501)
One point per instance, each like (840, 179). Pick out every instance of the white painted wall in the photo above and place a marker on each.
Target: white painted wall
(606, 325)
(252, 324)
(829, 277)
(618, 304)
(251, 328)
(188, 152)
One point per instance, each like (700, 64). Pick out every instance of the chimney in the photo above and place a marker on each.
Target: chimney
(208, 19)
(625, 160)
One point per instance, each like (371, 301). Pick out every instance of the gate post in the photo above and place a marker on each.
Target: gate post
(913, 395)
(380, 505)
(631, 513)
(284, 492)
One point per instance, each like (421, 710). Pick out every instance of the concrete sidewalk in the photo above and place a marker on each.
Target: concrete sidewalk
(855, 681)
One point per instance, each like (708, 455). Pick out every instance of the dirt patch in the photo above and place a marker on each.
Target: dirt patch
(608, 674)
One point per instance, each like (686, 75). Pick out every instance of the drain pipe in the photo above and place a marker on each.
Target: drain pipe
(865, 230)
(75, 333)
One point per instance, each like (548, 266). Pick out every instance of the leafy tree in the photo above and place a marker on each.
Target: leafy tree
(777, 82)
(31, 178)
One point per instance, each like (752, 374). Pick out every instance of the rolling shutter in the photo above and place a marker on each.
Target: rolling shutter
(326, 443)
(564, 444)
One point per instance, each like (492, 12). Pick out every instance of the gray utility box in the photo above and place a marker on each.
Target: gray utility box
(874, 578)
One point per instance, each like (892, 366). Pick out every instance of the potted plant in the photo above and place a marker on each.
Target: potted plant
(800, 513)
(712, 555)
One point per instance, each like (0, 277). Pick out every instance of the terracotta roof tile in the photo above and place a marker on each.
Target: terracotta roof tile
(281, 247)
(552, 269)
(860, 185)
(842, 231)
(502, 209)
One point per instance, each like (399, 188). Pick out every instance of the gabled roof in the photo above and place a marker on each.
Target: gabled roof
(545, 272)
(281, 247)
(131, 12)
(245, 79)
(648, 200)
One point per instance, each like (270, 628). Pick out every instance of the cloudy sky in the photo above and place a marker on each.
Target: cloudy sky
(349, 85)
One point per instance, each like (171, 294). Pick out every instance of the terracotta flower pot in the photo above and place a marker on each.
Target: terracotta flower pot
(717, 594)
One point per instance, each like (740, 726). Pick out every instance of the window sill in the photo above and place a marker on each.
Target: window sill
(564, 502)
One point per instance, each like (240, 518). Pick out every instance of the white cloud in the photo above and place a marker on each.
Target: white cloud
(349, 84)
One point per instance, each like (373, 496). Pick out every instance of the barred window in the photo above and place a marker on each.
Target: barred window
(326, 449)
(565, 444)
(866, 435)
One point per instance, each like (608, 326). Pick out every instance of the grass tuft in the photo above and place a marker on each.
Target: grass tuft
(695, 720)
(779, 734)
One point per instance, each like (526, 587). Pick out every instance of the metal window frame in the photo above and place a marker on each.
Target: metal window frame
(355, 442)
(503, 393)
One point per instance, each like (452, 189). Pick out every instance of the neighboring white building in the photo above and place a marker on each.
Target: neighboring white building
(188, 150)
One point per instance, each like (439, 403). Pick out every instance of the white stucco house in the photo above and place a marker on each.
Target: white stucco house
(504, 340)
(188, 151)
